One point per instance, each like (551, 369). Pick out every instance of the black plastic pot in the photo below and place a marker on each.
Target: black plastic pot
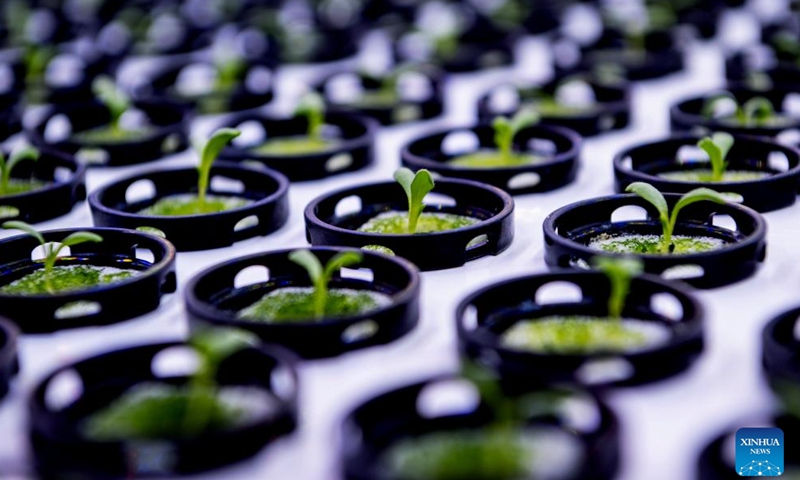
(483, 316)
(62, 450)
(105, 304)
(686, 116)
(66, 186)
(374, 426)
(354, 152)
(644, 163)
(9, 365)
(12, 70)
(429, 251)
(560, 146)
(746, 70)
(267, 189)
(717, 461)
(474, 53)
(781, 352)
(416, 102)
(170, 125)
(214, 297)
(568, 230)
(612, 111)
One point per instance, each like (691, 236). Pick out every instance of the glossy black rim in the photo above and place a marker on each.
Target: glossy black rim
(269, 210)
(483, 316)
(378, 423)
(472, 56)
(559, 168)
(644, 163)
(353, 152)
(430, 251)
(742, 69)
(9, 365)
(170, 124)
(61, 448)
(781, 351)
(109, 303)
(568, 229)
(214, 297)
(65, 187)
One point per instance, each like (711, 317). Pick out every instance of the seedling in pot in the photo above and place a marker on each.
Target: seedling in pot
(117, 103)
(755, 112)
(9, 186)
(298, 304)
(312, 108)
(152, 410)
(571, 97)
(505, 130)
(55, 279)
(414, 221)
(202, 203)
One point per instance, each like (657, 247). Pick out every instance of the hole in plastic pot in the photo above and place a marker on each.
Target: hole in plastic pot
(177, 361)
(40, 252)
(258, 80)
(245, 223)
(691, 154)
(282, 383)
(57, 129)
(145, 254)
(477, 242)
(81, 308)
(724, 221)
(683, 272)
(446, 398)
(558, 292)
(363, 274)
(460, 142)
(62, 174)
(63, 390)
(778, 161)
(524, 180)
(470, 317)
(227, 185)
(790, 138)
(542, 146)
(605, 370)
(580, 414)
(504, 99)
(439, 199)
(348, 205)
(253, 133)
(667, 305)
(628, 213)
(252, 275)
(360, 331)
(791, 104)
(139, 191)
(338, 162)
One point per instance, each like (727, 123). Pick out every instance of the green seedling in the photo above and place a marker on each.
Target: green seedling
(756, 112)
(209, 153)
(669, 220)
(321, 275)
(114, 99)
(506, 129)
(7, 167)
(51, 252)
(417, 186)
(717, 147)
(312, 107)
(620, 272)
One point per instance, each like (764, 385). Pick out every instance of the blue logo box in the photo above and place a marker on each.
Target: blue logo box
(759, 452)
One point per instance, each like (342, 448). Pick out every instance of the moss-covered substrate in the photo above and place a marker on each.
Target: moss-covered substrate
(107, 134)
(161, 411)
(706, 176)
(548, 107)
(296, 145)
(296, 304)
(67, 278)
(651, 244)
(396, 223)
(581, 335)
(487, 158)
(190, 204)
(17, 186)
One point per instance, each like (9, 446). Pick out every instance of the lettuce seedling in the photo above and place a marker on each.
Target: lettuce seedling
(312, 107)
(51, 253)
(7, 167)
(320, 276)
(620, 272)
(717, 147)
(114, 99)
(669, 220)
(209, 153)
(506, 129)
(756, 112)
(417, 186)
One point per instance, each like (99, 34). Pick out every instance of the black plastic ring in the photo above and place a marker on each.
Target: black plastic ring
(353, 153)
(429, 251)
(213, 297)
(61, 449)
(170, 123)
(658, 64)
(558, 170)
(781, 352)
(66, 186)
(268, 190)
(111, 303)
(9, 363)
(567, 230)
(644, 163)
(484, 315)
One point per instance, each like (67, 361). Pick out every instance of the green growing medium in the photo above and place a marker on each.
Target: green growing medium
(288, 305)
(548, 107)
(488, 454)
(396, 223)
(707, 176)
(775, 121)
(383, 98)
(495, 159)
(297, 145)
(66, 279)
(109, 134)
(580, 335)
(182, 205)
(652, 244)
(17, 186)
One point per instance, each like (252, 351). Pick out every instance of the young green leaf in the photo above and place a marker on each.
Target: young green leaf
(6, 168)
(694, 196)
(717, 147)
(757, 111)
(81, 237)
(416, 186)
(506, 129)
(312, 107)
(17, 225)
(210, 151)
(711, 105)
(620, 272)
(115, 100)
(656, 198)
(320, 276)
